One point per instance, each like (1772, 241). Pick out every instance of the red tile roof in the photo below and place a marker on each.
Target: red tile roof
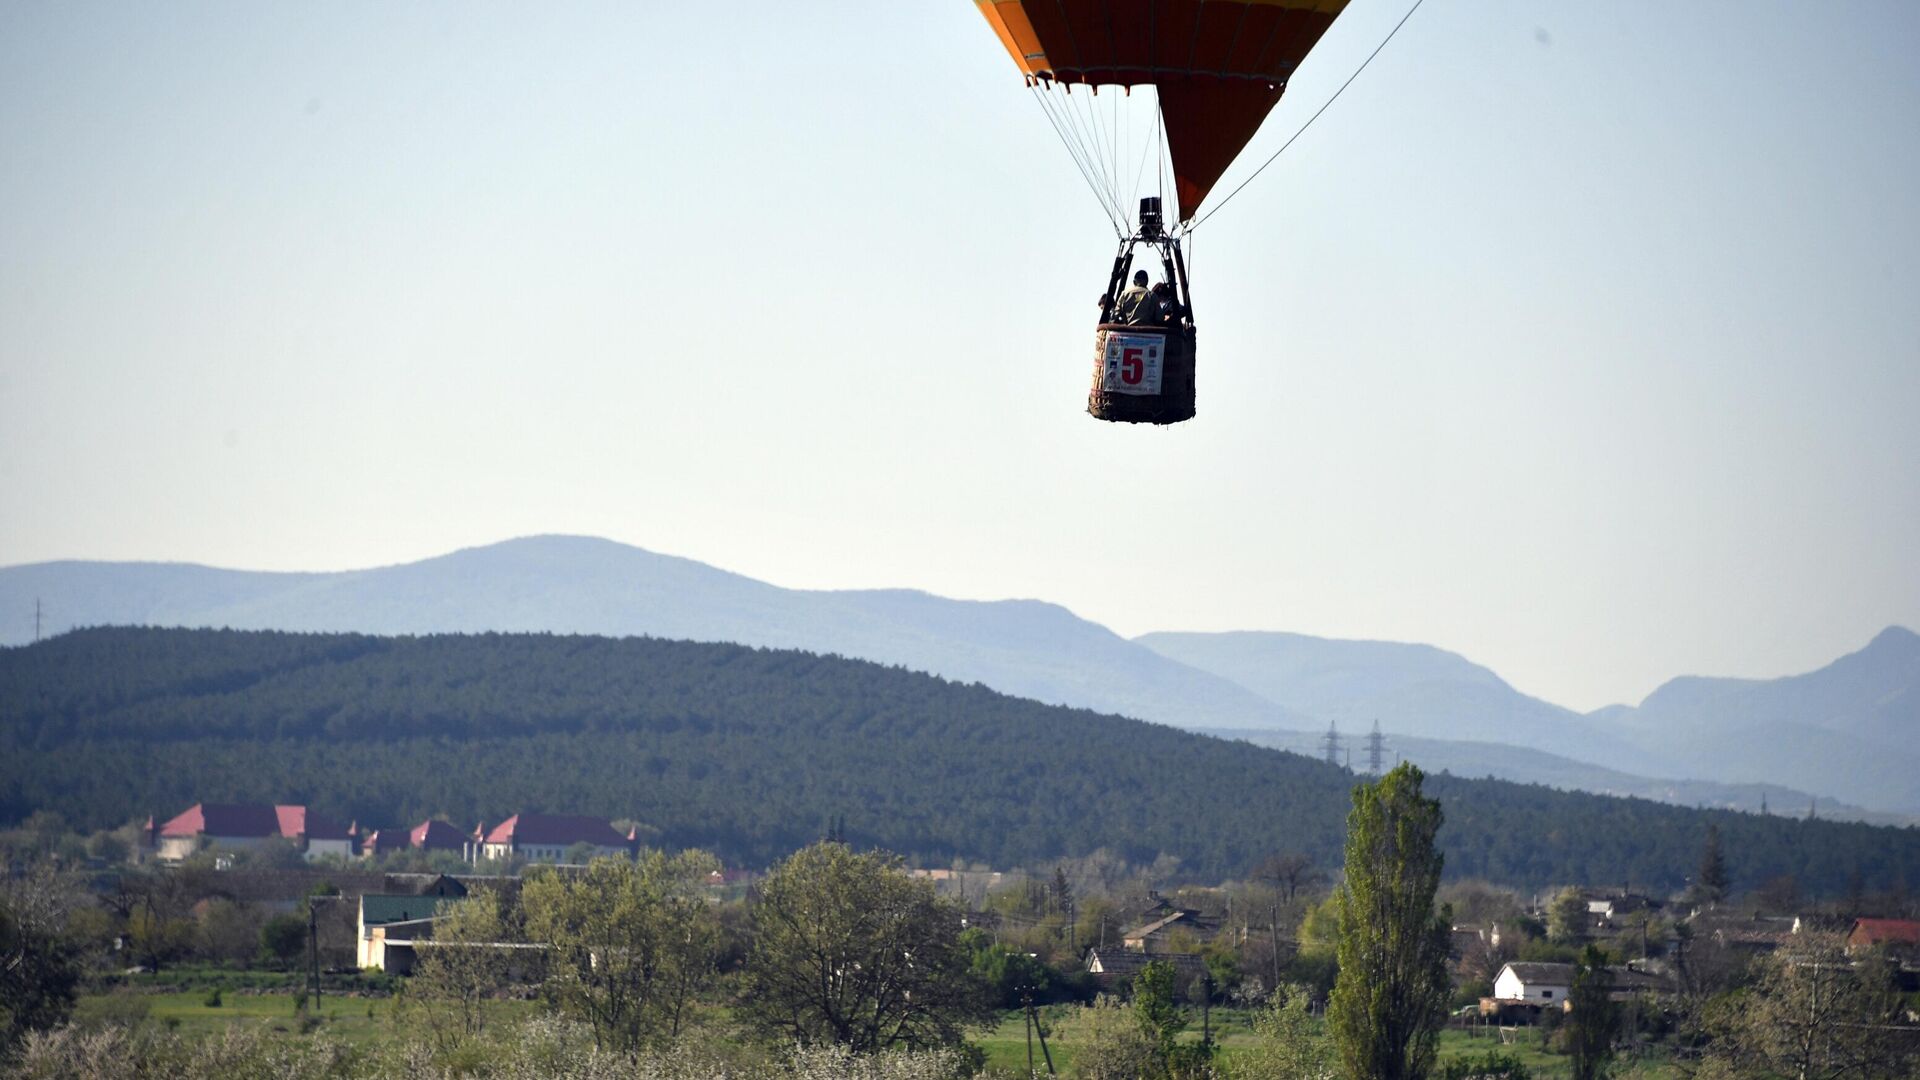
(561, 829)
(1885, 932)
(436, 836)
(252, 820)
(299, 821)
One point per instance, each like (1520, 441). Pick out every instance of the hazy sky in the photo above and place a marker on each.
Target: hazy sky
(1578, 338)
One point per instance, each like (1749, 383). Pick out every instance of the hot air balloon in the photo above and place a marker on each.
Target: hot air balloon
(1217, 68)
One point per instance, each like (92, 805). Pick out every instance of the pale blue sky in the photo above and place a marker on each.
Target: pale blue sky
(1579, 338)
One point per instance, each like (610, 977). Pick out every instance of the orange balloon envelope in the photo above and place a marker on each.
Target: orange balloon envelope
(1219, 66)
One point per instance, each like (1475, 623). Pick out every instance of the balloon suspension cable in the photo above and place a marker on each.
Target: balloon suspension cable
(1078, 151)
(1146, 151)
(1217, 207)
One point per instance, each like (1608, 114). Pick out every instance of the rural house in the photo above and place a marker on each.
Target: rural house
(1901, 937)
(387, 927)
(1533, 983)
(1116, 968)
(389, 923)
(1544, 984)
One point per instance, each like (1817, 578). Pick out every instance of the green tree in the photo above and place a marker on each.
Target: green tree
(1108, 1042)
(848, 949)
(1009, 976)
(1288, 1044)
(629, 942)
(1391, 995)
(283, 939)
(1320, 926)
(454, 978)
(1711, 885)
(1161, 1020)
(1593, 1017)
(1567, 918)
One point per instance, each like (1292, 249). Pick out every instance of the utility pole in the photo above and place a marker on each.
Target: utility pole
(36, 618)
(1035, 1027)
(313, 953)
(1026, 1013)
(1330, 744)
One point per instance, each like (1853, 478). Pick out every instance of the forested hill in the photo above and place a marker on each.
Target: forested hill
(749, 751)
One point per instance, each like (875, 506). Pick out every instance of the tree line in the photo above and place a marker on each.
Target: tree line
(746, 752)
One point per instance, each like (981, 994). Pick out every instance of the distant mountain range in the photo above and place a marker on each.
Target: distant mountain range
(1501, 761)
(1411, 690)
(578, 585)
(1846, 731)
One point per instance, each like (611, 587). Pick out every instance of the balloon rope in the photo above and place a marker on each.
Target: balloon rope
(1039, 97)
(1316, 115)
(1146, 148)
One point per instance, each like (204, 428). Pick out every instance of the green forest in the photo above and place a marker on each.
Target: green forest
(750, 752)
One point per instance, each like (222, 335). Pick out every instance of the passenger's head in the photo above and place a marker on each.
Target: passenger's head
(1140, 278)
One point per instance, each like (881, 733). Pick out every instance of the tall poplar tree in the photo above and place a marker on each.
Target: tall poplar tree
(1391, 997)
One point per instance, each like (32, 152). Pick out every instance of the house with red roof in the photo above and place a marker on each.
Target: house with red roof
(1900, 936)
(239, 826)
(549, 838)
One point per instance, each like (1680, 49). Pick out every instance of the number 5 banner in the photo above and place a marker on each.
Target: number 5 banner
(1130, 363)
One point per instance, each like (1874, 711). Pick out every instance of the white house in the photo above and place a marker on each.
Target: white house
(1528, 983)
(1533, 983)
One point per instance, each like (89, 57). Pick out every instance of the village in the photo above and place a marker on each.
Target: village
(1510, 968)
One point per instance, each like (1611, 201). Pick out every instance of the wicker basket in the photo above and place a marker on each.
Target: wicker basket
(1142, 374)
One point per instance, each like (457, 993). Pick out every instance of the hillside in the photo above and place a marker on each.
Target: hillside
(579, 585)
(1844, 733)
(748, 751)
